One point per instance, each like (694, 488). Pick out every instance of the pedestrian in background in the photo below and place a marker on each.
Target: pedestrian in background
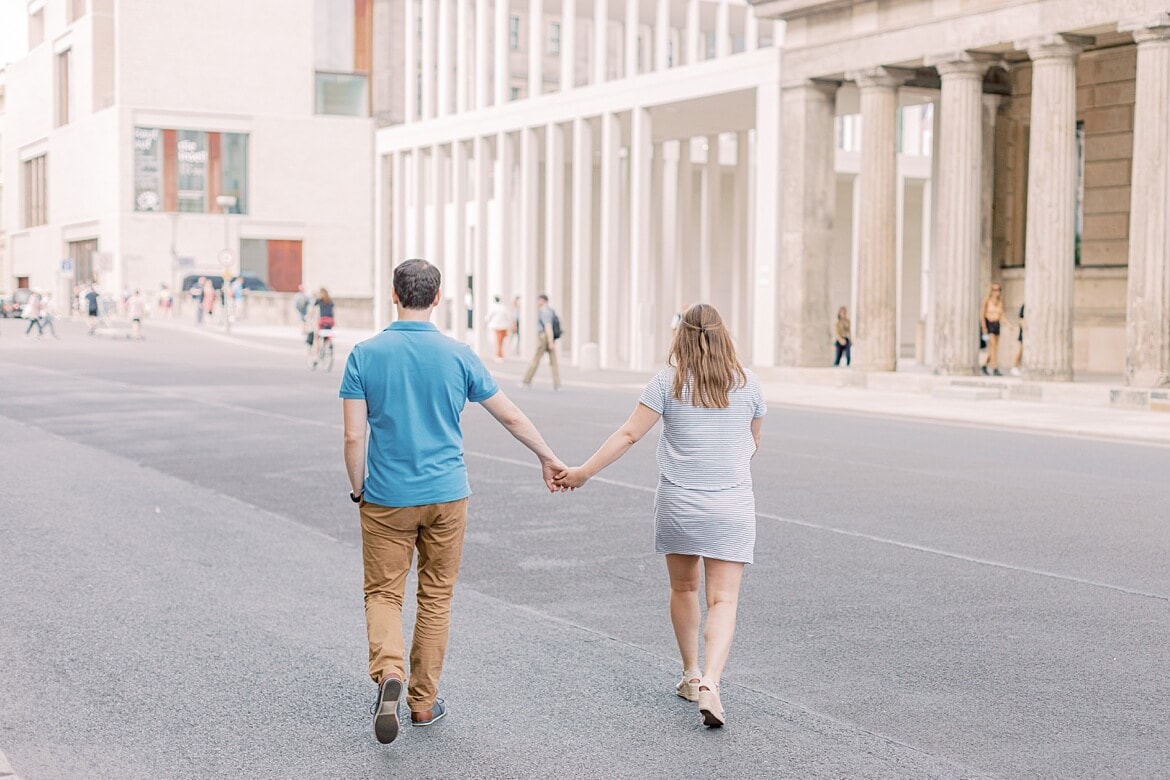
(32, 313)
(90, 307)
(197, 298)
(136, 308)
(712, 412)
(842, 338)
(301, 303)
(48, 315)
(1019, 345)
(516, 325)
(992, 315)
(408, 385)
(499, 322)
(547, 334)
(208, 298)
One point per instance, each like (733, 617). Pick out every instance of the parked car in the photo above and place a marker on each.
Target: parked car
(250, 282)
(13, 305)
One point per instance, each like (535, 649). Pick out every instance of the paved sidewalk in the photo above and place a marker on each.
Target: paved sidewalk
(1071, 409)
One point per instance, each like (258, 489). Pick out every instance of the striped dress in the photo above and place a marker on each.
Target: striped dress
(704, 504)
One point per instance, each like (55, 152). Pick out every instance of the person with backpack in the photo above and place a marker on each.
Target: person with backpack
(549, 331)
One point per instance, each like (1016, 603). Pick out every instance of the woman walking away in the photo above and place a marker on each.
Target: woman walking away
(841, 337)
(704, 509)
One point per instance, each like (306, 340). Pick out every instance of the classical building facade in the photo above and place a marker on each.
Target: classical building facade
(1051, 174)
(131, 127)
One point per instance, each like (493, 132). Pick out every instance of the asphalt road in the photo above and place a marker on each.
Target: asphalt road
(180, 591)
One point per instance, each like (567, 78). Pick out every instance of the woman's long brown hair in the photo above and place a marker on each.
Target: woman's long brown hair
(704, 359)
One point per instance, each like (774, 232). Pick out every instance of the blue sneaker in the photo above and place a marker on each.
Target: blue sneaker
(385, 710)
(428, 717)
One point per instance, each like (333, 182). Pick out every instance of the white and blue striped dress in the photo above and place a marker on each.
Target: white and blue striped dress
(704, 504)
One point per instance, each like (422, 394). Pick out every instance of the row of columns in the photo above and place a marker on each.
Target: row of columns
(448, 71)
(646, 250)
(957, 221)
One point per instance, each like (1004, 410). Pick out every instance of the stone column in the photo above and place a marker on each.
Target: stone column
(501, 70)
(443, 88)
(535, 48)
(554, 215)
(529, 236)
(418, 237)
(410, 68)
(581, 330)
(458, 249)
(600, 40)
(751, 30)
(689, 228)
(483, 292)
(383, 238)
(1052, 206)
(875, 323)
(630, 28)
(610, 249)
(767, 200)
(807, 204)
(436, 246)
(723, 29)
(692, 32)
(505, 215)
(481, 54)
(641, 297)
(955, 270)
(398, 232)
(568, 45)
(429, 39)
(1147, 347)
(461, 58)
(662, 35)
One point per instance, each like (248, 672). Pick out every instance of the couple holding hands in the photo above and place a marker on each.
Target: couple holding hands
(408, 385)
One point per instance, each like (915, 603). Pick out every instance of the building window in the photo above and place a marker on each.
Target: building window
(343, 43)
(36, 198)
(277, 263)
(36, 28)
(63, 97)
(76, 10)
(186, 170)
(515, 93)
(554, 38)
(514, 33)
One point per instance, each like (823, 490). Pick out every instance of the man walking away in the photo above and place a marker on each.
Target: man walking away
(32, 313)
(409, 384)
(548, 331)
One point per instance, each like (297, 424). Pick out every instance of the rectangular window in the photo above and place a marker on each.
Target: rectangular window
(76, 10)
(514, 33)
(36, 28)
(63, 97)
(36, 198)
(343, 42)
(277, 263)
(515, 93)
(186, 170)
(554, 38)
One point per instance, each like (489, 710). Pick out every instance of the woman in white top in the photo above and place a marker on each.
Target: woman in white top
(499, 320)
(704, 509)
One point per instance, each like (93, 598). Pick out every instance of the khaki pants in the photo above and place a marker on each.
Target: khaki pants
(541, 348)
(390, 536)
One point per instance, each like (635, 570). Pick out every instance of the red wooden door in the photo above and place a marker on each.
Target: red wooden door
(284, 265)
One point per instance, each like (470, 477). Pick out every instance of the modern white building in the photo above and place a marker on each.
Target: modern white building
(623, 174)
(131, 127)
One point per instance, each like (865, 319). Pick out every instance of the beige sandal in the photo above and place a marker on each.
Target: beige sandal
(688, 687)
(709, 705)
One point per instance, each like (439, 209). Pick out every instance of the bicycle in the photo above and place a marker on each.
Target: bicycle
(321, 350)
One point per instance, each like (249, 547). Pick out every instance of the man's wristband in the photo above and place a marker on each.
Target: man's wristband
(356, 498)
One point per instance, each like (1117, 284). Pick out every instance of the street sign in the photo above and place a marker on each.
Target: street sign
(184, 262)
(225, 258)
(67, 266)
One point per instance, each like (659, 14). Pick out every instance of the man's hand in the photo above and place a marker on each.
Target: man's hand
(550, 469)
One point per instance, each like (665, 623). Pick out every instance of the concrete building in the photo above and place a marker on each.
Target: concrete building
(1054, 117)
(624, 174)
(127, 123)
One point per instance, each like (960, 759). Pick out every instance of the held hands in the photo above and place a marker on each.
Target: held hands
(550, 469)
(571, 479)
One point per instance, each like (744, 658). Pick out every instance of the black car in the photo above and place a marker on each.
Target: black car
(250, 282)
(11, 306)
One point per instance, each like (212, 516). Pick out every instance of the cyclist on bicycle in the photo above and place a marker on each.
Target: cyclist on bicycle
(320, 317)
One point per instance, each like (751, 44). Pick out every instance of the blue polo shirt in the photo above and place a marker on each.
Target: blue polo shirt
(415, 382)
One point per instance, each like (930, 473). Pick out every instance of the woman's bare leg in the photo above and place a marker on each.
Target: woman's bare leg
(723, 579)
(685, 616)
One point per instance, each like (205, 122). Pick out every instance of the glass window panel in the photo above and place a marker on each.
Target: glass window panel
(333, 35)
(342, 93)
(192, 161)
(148, 163)
(234, 156)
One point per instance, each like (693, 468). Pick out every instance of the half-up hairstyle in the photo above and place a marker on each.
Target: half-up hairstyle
(703, 355)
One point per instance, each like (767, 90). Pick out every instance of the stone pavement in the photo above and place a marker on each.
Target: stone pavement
(1099, 408)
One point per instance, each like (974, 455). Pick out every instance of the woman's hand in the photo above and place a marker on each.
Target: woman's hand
(571, 479)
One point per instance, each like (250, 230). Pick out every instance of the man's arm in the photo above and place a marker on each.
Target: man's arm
(355, 413)
(517, 423)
